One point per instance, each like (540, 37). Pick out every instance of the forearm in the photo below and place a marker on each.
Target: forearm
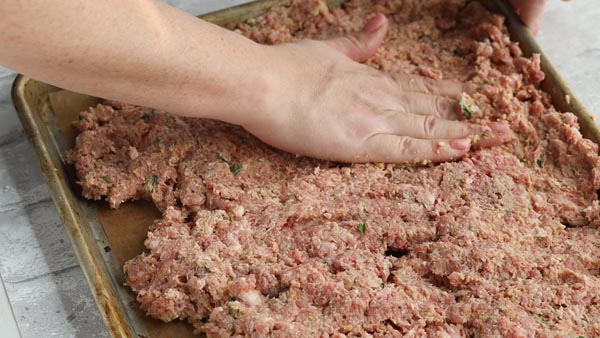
(141, 52)
(309, 97)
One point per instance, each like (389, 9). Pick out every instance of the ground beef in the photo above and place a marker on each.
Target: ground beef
(257, 242)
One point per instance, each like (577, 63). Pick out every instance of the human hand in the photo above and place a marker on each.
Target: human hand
(531, 12)
(329, 106)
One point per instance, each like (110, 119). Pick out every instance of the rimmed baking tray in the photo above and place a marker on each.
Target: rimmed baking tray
(104, 239)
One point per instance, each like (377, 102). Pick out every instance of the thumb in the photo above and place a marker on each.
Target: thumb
(362, 45)
(530, 12)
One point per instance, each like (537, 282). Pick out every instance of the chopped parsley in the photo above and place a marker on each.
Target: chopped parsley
(148, 114)
(362, 228)
(540, 162)
(235, 168)
(80, 117)
(508, 213)
(458, 52)
(107, 179)
(154, 180)
(563, 119)
(465, 108)
(383, 285)
(221, 158)
(543, 318)
(254, 24)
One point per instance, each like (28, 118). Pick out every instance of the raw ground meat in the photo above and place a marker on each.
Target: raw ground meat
(255, 242)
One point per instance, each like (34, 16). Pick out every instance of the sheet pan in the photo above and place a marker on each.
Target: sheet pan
(104, 239)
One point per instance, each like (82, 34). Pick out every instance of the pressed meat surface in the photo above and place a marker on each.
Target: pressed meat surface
(257, 242)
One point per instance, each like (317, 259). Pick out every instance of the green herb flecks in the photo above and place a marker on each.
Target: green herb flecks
(563, 119)
(156, 141)
(508, 213)
(148, 114)
(107, 179)
(540, 162)
(255, 24)
(467, 111)
(80, 117)
(383, 285)
(459, 53)
(154, 180)
(543, 318)
(235, 168)
(362, 228)
(221, 158)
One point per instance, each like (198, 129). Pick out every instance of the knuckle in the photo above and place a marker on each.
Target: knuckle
(413, 84)
(355, 41)
(429, 86)
(407, 146)
(430, 123)
(443, 107)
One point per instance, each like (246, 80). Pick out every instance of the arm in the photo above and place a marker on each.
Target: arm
(141, 52)
(147, 53)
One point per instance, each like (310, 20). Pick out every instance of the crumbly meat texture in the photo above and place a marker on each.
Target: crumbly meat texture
(257, 242)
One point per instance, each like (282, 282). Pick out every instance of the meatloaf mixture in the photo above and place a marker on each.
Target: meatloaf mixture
(261, 243)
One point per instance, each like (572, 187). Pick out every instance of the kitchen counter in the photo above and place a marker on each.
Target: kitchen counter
(44, 282)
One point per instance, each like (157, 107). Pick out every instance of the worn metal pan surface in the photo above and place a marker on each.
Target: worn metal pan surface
(104, 239)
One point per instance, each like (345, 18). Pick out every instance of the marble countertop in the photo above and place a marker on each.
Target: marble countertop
(44, 282)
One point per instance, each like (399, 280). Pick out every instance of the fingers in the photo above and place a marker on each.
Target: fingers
(530, 11)
(500, 133)
(392, 148)
(403, 149)
(419, 84)
(428, 96)
(425, 104)
(362, 45)
(431, 127)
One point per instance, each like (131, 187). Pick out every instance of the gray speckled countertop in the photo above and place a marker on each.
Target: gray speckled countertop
(45, 285)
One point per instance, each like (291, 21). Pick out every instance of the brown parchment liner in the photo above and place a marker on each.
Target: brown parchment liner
(104, 239)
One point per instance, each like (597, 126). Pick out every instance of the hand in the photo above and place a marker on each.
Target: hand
(531, 12)
(329, 106)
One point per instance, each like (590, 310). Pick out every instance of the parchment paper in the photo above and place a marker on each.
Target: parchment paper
(126, 227)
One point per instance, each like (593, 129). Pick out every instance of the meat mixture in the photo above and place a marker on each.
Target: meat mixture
(255, 242)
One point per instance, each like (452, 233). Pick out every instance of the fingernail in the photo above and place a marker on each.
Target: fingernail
(375, 23)
(469, 88)
(461, 144)
(499, 128)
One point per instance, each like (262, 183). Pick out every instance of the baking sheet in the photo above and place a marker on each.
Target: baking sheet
(104, 239)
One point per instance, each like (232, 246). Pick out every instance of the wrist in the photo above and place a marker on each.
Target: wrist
(258, 95)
